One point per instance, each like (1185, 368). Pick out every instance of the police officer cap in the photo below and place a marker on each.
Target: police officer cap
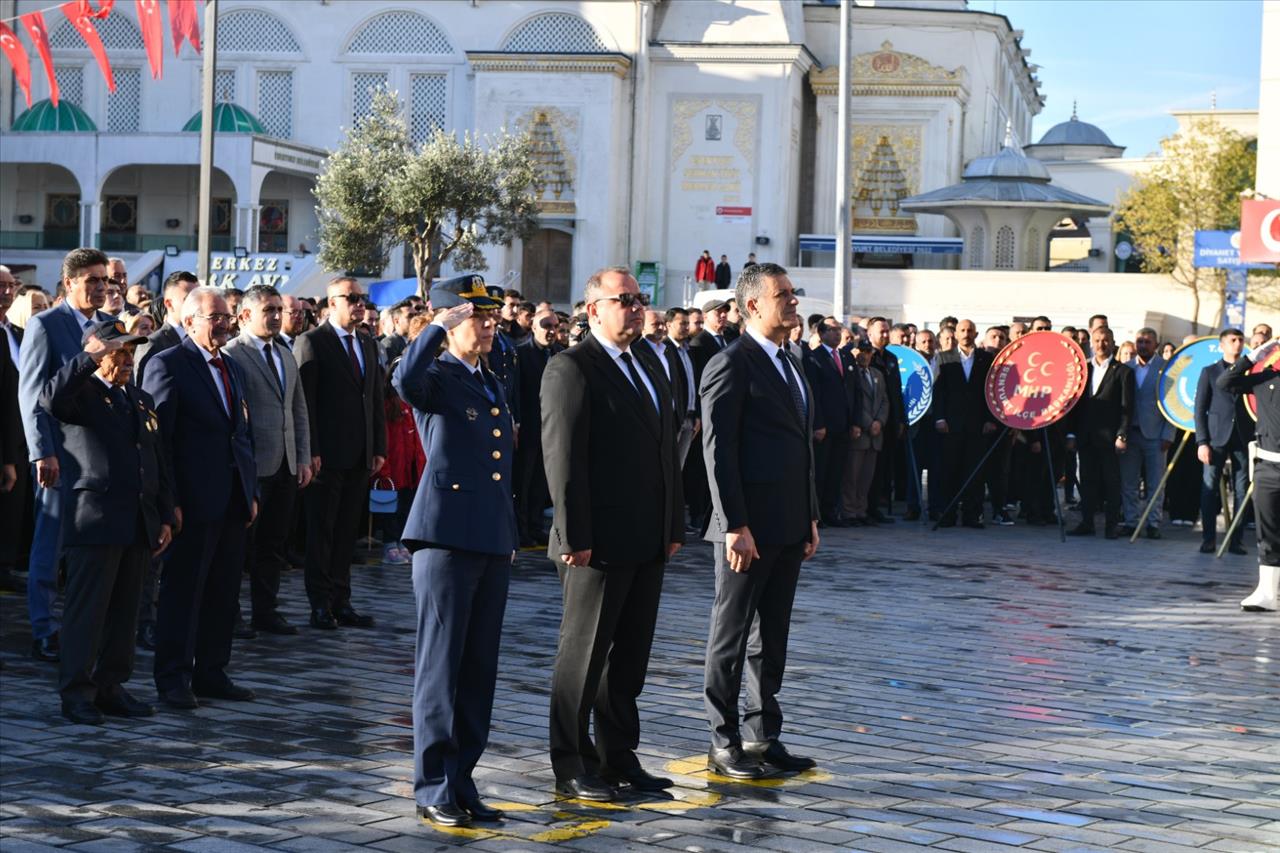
(452, 292)
(111, 330)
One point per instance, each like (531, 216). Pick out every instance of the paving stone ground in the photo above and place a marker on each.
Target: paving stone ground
(962, 690)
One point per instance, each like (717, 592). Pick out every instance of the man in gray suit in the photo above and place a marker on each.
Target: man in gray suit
(870, 412)
(1149, 437)
(281, 445)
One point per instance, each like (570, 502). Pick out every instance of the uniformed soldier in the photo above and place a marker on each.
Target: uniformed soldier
(119, 512)
(1265, 387)
(504, 361)
(461, 530)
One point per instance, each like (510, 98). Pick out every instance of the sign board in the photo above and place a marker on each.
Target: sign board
(1260, 231)
(1221, 249)
(1035, 380)
(1176, 390)
(917, 381)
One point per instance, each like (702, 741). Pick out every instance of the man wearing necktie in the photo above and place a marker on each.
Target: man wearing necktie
(702, 347)
(342, 381)
(827, 369)
(535, 352)
(757, 419)
(204, 427)
(609, 445)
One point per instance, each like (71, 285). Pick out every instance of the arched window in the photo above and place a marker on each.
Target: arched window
(1033, 249)
(1004, 248)
(977, 247)
(117, 33)
(254, 31)
(400, 32)
(555, 32)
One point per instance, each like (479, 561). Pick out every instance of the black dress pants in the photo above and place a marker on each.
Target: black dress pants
(962, 451)
(750, 622)
(829, 456)
(100, 616)
(1100, 484)
(334, 502)
(603, 656)
(265, 552)
(532, 495)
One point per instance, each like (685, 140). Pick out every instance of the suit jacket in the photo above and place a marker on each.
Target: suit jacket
(281, 430)
(464, 498)
(887, 362)
(1146, 413)
(392, 347)
(504, 361)
(50, 339)
(347, 420)
(1220, 413)
(669, 367)
(873, 406)
(962, 402)
(115, 470)
(612, 466)
(209, 453)
(163, 338)
(13, 446)
(834, 396)
(702, 347)
(1098, 419)
(532, 360)
(759, 455)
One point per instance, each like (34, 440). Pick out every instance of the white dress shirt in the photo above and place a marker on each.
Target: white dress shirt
(966, 362)
(342, 335)
(1099, 371)
(771, 350)
(275, 355)
(682, 351)
(616, 355)
(660, 348)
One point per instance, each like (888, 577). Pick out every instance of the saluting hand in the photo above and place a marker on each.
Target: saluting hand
(97, 348)
(740, 549)
(452, 317)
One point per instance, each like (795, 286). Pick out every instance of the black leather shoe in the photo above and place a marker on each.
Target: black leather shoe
(47, 648)
(323, 619)
(147, 636)
(735, 764)
(1208, 547)
(1125, 530)
(774, 754)
(445, 814)
(1111, 533)
(179, 697)
(274, 624)
(242, 631)
(82, 711)
(590, 788)
(637, 778)
(349, 618)
(1082, 530)
(118, 703)
(230, 691)
(1154, 533)
(480, 812)
(1236, 549)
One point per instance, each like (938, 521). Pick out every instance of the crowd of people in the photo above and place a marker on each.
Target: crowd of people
(158, 449)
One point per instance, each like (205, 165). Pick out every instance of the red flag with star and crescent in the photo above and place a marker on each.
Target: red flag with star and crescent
(184, 21)
(34, 22)
(18, 59)
(79, 18)
(86, 8)
(152, 28)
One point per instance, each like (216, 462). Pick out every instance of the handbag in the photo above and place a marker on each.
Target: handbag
(383, 501)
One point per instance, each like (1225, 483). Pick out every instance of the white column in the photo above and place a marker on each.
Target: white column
(90, 222)
(1268, 179)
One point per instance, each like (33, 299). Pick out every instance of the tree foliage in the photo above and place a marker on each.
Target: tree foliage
(444, 200)
(1195, 187)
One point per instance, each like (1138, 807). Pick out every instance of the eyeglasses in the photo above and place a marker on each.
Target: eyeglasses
(626, 300)
(215, 318)
(352, 298)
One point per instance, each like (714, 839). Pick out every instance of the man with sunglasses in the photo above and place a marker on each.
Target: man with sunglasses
(342, 381)
(609, 444)
(50, 340)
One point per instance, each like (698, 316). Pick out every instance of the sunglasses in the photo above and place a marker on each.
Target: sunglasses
(352, 298)
(626, 300)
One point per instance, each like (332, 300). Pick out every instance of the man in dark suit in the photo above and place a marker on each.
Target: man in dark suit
(1223, 432)
(343, 385)
(204, 424)
(757, 418)
(503, 359)
(281, 444)
(174, 294)
(13, 446)
(963, 420)
(658, 355)
(828, 372)
(393, 345)
(1100, 430)
(531, 479)
(887, 363)
(462, 532)
(50, 340)
(679, 331)
(609, 443)
(119, 512)
(702, 347)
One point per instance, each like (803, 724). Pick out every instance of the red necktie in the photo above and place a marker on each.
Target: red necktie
(355, 362)
(839, 366)
(217, 362)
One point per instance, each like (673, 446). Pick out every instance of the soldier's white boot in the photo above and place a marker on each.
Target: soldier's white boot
(1264, 597)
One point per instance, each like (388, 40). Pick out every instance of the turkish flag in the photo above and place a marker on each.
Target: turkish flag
(149, 21)
(75, 14)
(86, 9)
(184, 21)
(18, 59)
(34, 22)
(1260, 231)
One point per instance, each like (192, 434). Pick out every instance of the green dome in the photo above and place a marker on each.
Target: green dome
(229, 118)
(44, 117)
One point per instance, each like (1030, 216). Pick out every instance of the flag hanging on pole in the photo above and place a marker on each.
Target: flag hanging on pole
(152, 28)
(87, 10)
(18, 59)
(75, 12)
(184, 21)
(34, 22)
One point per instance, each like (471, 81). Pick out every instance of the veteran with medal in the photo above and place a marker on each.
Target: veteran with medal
(462, 533)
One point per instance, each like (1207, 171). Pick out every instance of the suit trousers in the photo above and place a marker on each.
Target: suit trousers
(962, 451)
(1143, 461)
(1211, 497)
(860, 469)
(697, 493)
(99, 617)
(461, 598)
(149, 589)
(830, 457)
(1099, 484)
(265, 551)
(685, 439)
(13, 512)
(750, 621)
(199, 599)
(882, 484)
(602, 659)
(334, 502)
(42, 567)
(532, 496)
(1266, 513)
(1182, 493)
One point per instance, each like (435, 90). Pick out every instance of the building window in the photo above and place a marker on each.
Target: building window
(70, 83)
(273, 226)
(400, 32)
(428, 105)
(555, 32)
(224, 86)
(275, 102)
(254, 31)
(1033, 249)
(363, 86)
(117, 33)
(124, 105)
(1004, 248)
(977, 247)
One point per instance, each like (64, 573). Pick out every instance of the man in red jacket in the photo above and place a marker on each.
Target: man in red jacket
(705, 272)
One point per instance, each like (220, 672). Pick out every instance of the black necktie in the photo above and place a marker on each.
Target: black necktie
(792, 385)
(120, 405)
(646, 400)
(268, 352)
(720, 341)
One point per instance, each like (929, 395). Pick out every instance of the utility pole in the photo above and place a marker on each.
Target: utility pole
(210, 66)
(842, 293)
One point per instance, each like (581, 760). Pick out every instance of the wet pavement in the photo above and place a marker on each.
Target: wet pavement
(962, 691)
